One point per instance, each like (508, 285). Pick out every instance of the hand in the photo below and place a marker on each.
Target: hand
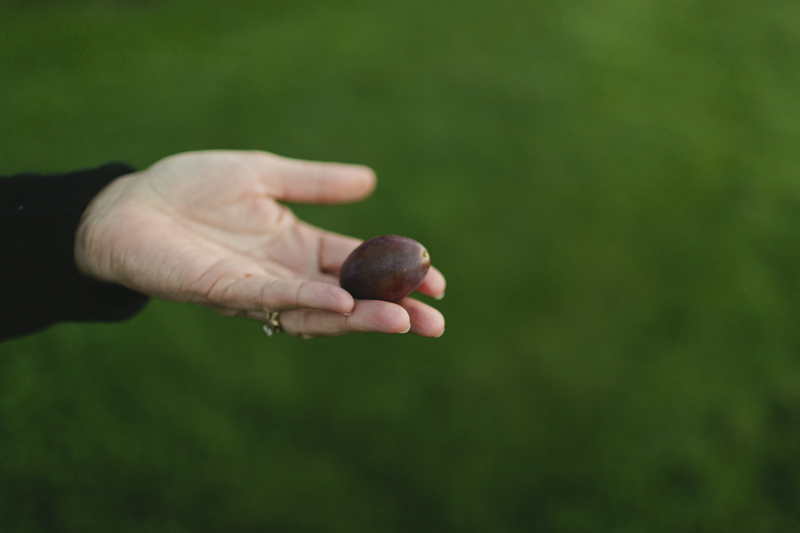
(206, 228)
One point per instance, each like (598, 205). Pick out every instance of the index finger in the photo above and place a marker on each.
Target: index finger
(433, 284)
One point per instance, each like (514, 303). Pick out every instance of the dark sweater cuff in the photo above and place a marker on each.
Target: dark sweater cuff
(40, 282)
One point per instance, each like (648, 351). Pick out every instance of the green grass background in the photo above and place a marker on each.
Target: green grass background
(611, 188)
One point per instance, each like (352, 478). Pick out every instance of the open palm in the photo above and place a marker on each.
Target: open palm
(206, 228)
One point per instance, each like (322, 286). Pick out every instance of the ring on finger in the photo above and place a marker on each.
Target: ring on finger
(273, 324)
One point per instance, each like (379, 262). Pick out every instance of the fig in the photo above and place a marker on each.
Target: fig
(387, 267)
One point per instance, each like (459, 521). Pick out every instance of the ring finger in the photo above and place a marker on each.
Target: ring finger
(367, 315)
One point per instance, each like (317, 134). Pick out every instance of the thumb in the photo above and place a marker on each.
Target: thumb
(294, 180)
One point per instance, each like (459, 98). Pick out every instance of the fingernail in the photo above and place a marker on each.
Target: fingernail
(347, 314)
(439, 297)
(407, 329)
(440, 334)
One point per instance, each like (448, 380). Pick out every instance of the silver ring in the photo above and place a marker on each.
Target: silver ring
(273, 324)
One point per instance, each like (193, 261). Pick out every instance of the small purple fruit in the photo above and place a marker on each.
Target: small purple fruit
(388, 267)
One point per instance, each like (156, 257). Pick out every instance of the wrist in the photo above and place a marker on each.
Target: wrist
(92, 236)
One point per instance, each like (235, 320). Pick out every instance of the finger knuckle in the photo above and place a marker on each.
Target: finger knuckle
(298, 295)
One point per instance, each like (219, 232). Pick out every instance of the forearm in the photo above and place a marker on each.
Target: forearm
(39, 280)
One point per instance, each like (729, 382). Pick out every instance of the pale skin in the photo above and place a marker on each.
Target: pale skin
(207, 228)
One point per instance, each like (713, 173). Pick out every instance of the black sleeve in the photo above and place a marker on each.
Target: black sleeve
(39, 281)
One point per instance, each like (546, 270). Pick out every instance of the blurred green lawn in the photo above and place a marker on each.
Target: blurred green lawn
(611, 189)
